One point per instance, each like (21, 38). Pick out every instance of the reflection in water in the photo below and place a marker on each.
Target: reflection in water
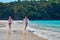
(25, 35)
(9, 34)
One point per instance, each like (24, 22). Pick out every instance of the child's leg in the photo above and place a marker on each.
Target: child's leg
(9, 25)
(25, 26)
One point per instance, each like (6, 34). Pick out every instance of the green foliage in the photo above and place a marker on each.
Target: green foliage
(35, 10)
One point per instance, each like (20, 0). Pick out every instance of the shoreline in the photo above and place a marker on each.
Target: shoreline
(17, 34)
(44, 34)
(50, 35)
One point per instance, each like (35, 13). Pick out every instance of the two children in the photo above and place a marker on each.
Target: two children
(25, 19)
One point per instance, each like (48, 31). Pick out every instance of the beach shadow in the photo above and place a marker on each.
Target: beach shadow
(25, 35)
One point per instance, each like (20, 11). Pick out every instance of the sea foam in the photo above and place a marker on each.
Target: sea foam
(48, 34)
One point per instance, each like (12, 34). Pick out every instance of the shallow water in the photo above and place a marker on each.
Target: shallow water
(46, 24)
(46, 28)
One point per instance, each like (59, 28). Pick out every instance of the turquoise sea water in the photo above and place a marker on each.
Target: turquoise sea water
(49, 29)
(49, 24)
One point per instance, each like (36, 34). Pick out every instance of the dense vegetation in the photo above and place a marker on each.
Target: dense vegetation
(35, 10)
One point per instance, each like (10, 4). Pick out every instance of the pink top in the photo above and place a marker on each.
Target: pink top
(9, 20)
(26, 20)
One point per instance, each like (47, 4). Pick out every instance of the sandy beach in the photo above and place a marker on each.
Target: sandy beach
(18, 35)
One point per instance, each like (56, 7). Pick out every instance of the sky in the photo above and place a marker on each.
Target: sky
(7, 0)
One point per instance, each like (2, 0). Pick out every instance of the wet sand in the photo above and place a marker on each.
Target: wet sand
(6, 34)
(18, 35)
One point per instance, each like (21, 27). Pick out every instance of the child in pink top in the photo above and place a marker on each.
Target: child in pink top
(26, 22)
(10, 22)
